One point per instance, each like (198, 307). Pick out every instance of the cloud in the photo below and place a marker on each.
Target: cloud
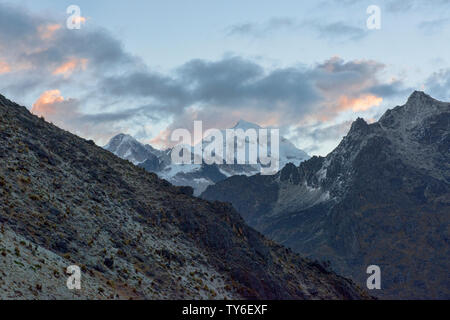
(4, 67)
(400, 5)
(235, 83)
(438, 84)
(433, 26)
(116, 91)
(362, 103)
(16, 25)
(403, 6)
(52, 105)
(320, 138)
(392, 6)
(39, 46)
(39, 55)
(146, 84)
(336, 75)
(337, 30)
(391, 88)
(68, 114)
(330, 133)
(231, 84)
(262, 29)
(220, 92)
(79, 20)
(67, 68)
(340, 30)
(244, 29)
(47, 32)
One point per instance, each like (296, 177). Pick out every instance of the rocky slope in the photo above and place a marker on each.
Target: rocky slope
(197, 176)
(381, 197)
(65, 201)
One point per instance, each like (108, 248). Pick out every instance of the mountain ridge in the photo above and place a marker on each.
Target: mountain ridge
(64, 201)
(385, 187)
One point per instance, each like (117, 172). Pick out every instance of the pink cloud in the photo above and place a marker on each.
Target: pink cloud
(46, 104)
(47, 32)
(361, 103)
(4, 67)
(69, 67)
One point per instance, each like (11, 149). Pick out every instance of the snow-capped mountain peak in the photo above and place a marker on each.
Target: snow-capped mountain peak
(198, 176)
(127, 147)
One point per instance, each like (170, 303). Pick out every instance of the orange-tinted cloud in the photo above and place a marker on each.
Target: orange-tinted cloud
(46, 32)
(45, 104)
(336, 105)
(66, 113)
(362, 103)
(4, 67)
(81, 20)
(67, 68)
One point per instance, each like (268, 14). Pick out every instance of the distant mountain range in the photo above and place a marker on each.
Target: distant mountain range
(382, 197)
(64, 201)
(195, 175)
